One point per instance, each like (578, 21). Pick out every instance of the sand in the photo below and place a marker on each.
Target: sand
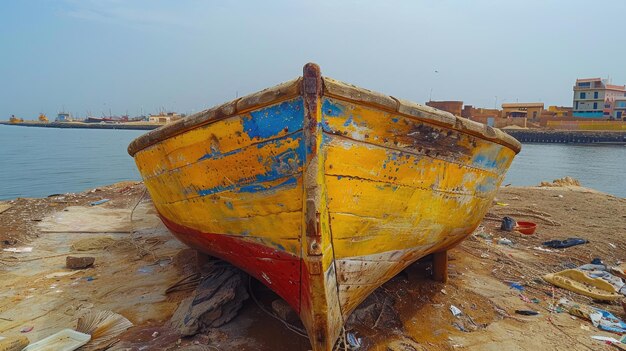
(410, 312)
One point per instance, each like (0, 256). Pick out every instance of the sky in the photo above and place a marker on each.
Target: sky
(127, 57)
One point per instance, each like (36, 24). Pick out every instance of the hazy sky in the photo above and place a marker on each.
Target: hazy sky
(96, 55)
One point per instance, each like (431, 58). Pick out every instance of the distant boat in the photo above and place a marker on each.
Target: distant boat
(322, 190)
(14, 119)
(63, 117)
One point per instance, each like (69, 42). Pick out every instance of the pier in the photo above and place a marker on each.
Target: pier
(80, 125)
(567, 136)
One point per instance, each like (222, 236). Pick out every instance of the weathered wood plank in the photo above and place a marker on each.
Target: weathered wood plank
(354, 94)
(378, 127)
(242, 105)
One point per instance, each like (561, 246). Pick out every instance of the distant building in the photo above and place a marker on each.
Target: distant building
(483, 115)
(63, 117)
(560, 111)
(594, 98)
(454, 107)
(619, 108)
(530, 110)
(165, 117)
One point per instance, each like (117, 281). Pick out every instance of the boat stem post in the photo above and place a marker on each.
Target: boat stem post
(440, 266)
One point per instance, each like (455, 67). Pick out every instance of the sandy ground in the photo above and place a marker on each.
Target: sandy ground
(410, 312)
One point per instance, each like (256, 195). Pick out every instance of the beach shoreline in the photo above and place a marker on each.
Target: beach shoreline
(410, 309)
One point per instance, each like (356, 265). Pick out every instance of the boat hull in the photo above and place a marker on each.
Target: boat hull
(321, 190)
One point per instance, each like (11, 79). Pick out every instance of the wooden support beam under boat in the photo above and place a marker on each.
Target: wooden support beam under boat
(440, 266)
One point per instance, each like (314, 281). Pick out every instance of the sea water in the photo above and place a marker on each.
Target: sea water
(37, 162)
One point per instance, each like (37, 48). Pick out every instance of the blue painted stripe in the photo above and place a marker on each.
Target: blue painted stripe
(279, 166)
(273, 120)
(332, 109)
(255, 188)
(216, 154)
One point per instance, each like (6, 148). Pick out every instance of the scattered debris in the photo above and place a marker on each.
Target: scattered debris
(527, 312)
(104, 327)
(79, 262)
(505, 241)
(353, 342)
(65, 340)
(599, 318)
(455, 311)
(508, 224)
(516, 286)
(561, 244)
(18, 249)
(99, 202)
(578, 282)
(527, 228)
(607, 321)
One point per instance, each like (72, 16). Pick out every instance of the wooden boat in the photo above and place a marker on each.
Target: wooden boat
(322, 190)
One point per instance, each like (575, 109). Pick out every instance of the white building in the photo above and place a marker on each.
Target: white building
(594, 97)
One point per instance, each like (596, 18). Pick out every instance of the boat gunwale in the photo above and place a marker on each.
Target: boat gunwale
(334, 89)
(351, 93)
(266, 97)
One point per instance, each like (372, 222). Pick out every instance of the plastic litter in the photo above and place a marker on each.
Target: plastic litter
(527, 228)
(561, 244)
(505, 241)
(607, 321)
(455, 311)
(99, 202)
(65, 340)
(508, 224)
(18, 249)
(460, 327)
(601, 319)
(26, 329)
(579, 282)
(516, 286)
(609, 340)
(353, 341)
(527, 312)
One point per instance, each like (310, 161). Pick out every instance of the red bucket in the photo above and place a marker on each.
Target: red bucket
(527, 228)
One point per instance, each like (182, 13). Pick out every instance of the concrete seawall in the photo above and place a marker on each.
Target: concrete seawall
(567, 136)
(78, 125)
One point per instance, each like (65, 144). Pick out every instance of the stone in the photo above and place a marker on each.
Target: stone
(79, 262)
(217, 300)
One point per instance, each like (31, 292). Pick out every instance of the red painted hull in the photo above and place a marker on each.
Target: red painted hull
(278, 270)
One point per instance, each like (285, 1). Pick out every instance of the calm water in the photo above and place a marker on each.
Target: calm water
(36, 162)
(601, 167)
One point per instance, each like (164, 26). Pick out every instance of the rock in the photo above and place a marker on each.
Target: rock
(76, 262)
(284, 311)
(216, 301)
